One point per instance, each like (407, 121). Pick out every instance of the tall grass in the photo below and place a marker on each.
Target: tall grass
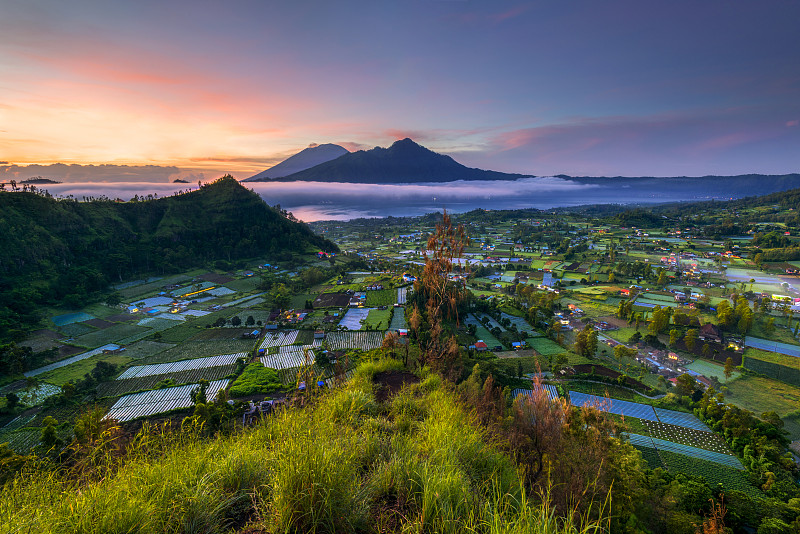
(416, 463)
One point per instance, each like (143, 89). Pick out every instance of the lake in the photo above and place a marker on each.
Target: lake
(313, 201)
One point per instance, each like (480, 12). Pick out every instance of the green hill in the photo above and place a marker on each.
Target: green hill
(416, 462)
(63, 251)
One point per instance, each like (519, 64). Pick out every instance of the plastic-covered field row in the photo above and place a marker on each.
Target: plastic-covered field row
(295, 348)
(552, 392)
(615, 406)
(280, 338)
(686, 420)
(77, 358)
(183, 365)
(159, 401)
(686, 450)
(285, 360)
(355, 340)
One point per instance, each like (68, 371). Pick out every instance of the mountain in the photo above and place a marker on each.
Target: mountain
(305, 159)
(66, 252)
(403, 162)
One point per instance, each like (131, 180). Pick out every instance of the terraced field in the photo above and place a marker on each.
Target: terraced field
(158, 401)
(354, 340)
(117, 388)
(139, 371)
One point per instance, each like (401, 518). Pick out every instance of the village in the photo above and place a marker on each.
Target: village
(644, 318)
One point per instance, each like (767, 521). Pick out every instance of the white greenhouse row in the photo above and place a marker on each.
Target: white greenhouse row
(279, 339)
(160, 400)
(139, 371)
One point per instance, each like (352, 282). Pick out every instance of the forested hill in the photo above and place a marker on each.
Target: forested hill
(62, 251)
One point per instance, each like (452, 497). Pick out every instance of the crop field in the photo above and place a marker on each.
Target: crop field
(615, 406)
(117, 388)
(773, 346)
(38, 394)
(521, 324)
(709, 441)
(184, 365)
(709, 369)
(331, 300)
(379, 319)
(279, 338)
(286, 360)
(21, 441)
(761, 395)
(75, 329)
(475, 318)
(354, 340)
(158, 401)
(75, 371)
(381, 297)
(354, 318)
(552, 392)
(398, 319)
(200, 349)
(714, 473)
(70, 318)
(545, 346)
(68, 361)
(650, 455)
(110, 335)
(402, 295)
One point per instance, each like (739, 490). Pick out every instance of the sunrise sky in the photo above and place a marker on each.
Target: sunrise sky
(152, 90)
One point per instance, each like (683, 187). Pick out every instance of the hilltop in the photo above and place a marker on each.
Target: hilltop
(305, 159)
(403, 162)
(62, 251)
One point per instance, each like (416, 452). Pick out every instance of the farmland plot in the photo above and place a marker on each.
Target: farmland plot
(116, 388)
(381, 297)
(685, 420)
(615, 406)
(402, 295)
(21, 441)
(545, 346)
(398, 319)
(286, 360)
(709, 441)
(185, 365)
(278, 339)
(552, 392)
(38, 394)
(200, 349)
(110, 335)
(354, 318)
(158, 401)
(74, 359)
(354, 340)
(521, 324)
(714, 473)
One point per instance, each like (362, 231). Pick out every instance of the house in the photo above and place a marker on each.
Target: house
(517, 345)
(710, 332)
(319, 334)
(481, 346)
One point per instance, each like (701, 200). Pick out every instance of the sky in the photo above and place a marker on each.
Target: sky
(154, 90)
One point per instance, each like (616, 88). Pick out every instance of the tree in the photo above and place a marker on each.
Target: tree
(250, 321)
(673, 337)
(236, 321)
(690, 340)
(685, 384)
(439, 297)
(49, 436)
(198, 394)
(12, 400)
(728, 368)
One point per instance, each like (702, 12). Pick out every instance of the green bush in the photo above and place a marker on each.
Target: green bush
(256, 379)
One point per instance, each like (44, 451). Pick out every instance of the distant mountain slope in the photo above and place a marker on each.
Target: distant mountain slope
(305, 159)
(62, 251)
(701, 186)
(403, 162)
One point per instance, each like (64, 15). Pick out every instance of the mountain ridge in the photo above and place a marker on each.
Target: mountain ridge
(403, 162)
(305, 159)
